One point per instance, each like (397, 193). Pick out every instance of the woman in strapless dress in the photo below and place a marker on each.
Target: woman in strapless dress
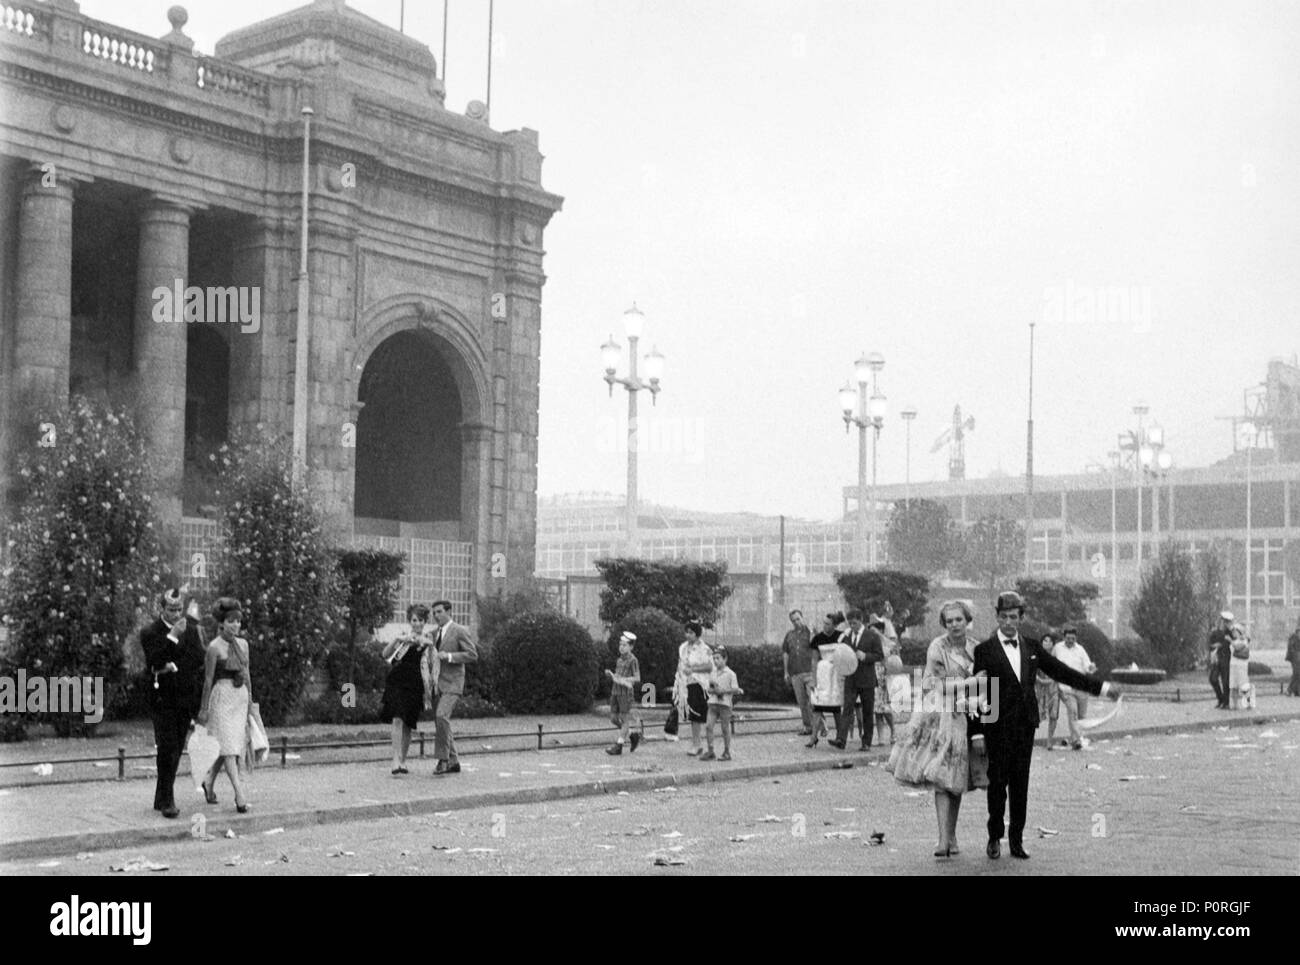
(227, 688)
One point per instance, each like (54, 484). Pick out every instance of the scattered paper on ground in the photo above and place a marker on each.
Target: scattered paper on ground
(138, 864)
(274, 831)
(842, 834)
(43, 770)
(1047, 832)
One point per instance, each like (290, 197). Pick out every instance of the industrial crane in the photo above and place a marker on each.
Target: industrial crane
(954, 438)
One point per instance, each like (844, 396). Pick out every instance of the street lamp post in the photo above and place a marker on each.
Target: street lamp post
(870, 413)
(1140, 410)
(1114, 544)
(1251, 431)
(611, 351)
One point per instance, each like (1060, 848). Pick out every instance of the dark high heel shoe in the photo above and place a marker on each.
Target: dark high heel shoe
(943, 852)
(241, 808)
(209, 794)
(813, 742)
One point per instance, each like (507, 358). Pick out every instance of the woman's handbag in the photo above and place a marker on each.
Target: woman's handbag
(258, 743)
(670, 725)
(979, 764)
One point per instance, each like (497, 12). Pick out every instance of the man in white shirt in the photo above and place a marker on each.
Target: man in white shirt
(1075, 657)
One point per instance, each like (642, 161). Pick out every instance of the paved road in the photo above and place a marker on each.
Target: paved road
(1220, 802)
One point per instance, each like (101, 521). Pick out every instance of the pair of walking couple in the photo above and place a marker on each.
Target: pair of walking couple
(988, 706)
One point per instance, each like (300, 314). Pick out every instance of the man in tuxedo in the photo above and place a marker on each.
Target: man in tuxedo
(174, 654)
(1010, 661)
(869, 649)
(453, 647)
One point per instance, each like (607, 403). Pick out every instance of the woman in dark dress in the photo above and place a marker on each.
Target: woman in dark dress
(404, 689)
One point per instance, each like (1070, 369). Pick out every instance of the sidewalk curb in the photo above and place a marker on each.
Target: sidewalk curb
(64, 844)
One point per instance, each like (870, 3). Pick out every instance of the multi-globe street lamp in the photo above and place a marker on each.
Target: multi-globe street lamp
(611, 353)
(870, 413)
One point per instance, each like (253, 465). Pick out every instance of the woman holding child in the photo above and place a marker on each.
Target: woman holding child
(694, 664)
(933, 749)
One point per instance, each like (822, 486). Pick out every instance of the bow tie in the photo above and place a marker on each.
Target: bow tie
(1014, 643)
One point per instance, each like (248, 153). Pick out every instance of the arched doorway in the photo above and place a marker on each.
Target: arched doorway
(409, 446)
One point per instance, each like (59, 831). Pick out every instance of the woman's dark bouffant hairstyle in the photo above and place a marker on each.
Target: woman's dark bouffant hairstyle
(418, 609)
(695, 627)
(225, 608)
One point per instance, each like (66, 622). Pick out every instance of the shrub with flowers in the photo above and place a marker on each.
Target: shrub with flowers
(85, 559)
(275, 560)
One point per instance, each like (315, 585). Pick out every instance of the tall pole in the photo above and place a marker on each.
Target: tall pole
(444, 44)
(875, 448)
(864, 535)
(631, 449)
(301, 355)
(491, 12)
(1029, 465)
(1138, 443)
(1249, 473)
(783, 609)
(1114, 546)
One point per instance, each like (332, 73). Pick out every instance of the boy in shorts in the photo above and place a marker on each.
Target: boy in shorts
(625, 677)
(723, 686)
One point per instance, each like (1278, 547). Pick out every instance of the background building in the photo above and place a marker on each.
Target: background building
(1075, 534)
(131, 164)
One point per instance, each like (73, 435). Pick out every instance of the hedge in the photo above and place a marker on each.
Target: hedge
(546, 663)
(761, 673)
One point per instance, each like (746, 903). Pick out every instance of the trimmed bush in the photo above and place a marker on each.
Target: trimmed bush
(658, 638)
(912, 652)
(1132, 650)
(760, 672)
(1256, 669)
(1100, 650)
(683, 590)
(328, 709)
(275, 561)
(494, 612)
(546, 664)
(479, 676)
(364, 667)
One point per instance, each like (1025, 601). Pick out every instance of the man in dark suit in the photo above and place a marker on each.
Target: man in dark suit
(1221, 659)
(1011, 661)
(174, 655)
(869, 649)
(452, 648)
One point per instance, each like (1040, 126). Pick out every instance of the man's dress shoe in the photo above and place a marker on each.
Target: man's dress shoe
(1017, 851)
(994, 850)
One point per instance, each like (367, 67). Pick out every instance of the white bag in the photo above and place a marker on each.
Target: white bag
(204, 750)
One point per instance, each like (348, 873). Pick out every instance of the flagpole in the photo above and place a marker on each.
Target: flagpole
(491, 12)
(444, 44)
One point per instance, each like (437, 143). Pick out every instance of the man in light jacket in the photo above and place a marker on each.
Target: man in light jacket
(453, 647)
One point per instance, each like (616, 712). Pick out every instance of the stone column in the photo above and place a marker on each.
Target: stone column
(43, 290)
(160, 349)
(476, 502)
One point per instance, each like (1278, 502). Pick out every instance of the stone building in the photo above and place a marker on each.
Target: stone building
(134, 170)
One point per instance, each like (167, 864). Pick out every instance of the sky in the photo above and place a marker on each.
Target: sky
(781, 186)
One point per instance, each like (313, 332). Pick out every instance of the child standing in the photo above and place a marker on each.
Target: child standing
(625, 676)
(723, 686)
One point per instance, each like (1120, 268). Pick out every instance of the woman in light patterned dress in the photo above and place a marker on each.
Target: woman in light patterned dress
(227, 689)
